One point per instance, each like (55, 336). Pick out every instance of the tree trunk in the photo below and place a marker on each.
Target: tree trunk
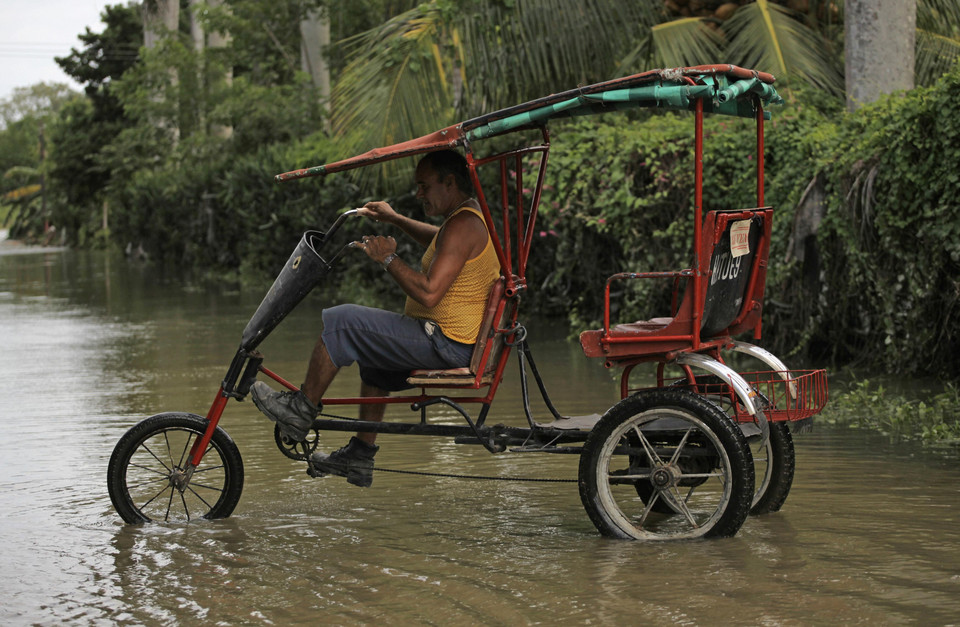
(880, 38)
(196, 26)
(199, 41)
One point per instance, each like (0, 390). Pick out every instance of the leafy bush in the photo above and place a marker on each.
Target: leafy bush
(869, 405)
(873, 281)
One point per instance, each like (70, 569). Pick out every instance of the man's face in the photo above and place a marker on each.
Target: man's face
(436, 195)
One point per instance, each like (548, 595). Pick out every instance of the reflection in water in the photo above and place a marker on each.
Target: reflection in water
(868, 534)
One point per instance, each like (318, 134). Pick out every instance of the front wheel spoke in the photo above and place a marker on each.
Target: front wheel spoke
(166, 439)
(186, 447)
(153, 470)
(201, 485)
(156, 496)
(166, 516)
(203, 500)
(186, 510)
(199, 470)
(147, 482)
(154, 455)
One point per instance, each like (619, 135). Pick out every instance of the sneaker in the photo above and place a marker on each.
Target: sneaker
(354, 461)
(292, 410)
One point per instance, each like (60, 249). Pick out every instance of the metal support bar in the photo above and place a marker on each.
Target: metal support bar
(528, 355)
(483, 433)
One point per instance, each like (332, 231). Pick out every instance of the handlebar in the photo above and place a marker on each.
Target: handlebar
(340, 220)
(333, 229)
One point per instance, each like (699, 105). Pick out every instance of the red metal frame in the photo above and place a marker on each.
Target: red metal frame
(199, 448)
(518, 237)
(661, 340)
(516, 233)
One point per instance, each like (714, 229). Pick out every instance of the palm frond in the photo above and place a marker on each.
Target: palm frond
(939, 16)
(395, 87)
(21, 172)
(535, 47)
(936, 55)
(765, 36)
(685, 42)
(938, 39)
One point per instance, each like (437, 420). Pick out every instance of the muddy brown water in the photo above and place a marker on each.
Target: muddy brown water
(92, 344)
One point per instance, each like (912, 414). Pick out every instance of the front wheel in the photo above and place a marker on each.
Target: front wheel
(695, 461)
(149, 479)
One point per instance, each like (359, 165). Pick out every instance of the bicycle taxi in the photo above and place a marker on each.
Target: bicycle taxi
(689, 457)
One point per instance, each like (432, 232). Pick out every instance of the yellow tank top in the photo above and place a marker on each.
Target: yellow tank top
(460, 311)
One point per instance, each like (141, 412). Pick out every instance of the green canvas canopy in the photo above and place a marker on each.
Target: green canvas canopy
(723, 89)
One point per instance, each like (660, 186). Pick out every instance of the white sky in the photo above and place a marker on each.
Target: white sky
(36, 31)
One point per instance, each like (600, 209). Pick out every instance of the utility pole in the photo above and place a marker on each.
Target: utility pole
(161, 18)
(314, 39)
(880, 46)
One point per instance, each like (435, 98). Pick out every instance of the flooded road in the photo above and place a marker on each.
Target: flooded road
(93, 344)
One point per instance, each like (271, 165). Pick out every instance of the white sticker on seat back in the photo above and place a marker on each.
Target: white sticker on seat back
(740, 238)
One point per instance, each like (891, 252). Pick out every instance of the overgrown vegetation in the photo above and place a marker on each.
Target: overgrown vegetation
(868, 274)
(869, 405)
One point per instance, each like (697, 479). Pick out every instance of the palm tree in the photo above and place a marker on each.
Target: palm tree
(434, 64)
(440, 62)
(938, 39)
(431, 64)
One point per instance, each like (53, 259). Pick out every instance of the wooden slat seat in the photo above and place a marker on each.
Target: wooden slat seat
(642, 326)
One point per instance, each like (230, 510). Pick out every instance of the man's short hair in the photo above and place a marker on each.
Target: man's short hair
(444, 162)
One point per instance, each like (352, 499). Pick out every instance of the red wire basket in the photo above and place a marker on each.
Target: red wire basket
(781, 395)
(788, 395)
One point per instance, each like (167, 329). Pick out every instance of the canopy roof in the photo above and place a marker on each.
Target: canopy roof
(724, 89)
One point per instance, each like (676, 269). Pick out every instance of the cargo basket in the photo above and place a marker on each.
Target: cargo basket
(783, 395)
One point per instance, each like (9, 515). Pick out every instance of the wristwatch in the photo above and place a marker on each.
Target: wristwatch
(388, 259)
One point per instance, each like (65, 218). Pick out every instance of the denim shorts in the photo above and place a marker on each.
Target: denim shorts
(388, 345)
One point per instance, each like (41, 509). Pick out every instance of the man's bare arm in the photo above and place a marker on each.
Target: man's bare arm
(420, 232)
(463, 238)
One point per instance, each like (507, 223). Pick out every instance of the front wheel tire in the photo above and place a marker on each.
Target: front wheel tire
(148, 476)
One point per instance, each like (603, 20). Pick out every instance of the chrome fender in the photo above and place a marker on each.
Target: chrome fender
(771, 360)
(744, 392)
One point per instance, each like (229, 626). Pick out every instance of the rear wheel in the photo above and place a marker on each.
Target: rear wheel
(774, 461)
(149, 479)
(684, 450)
(774, 464)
